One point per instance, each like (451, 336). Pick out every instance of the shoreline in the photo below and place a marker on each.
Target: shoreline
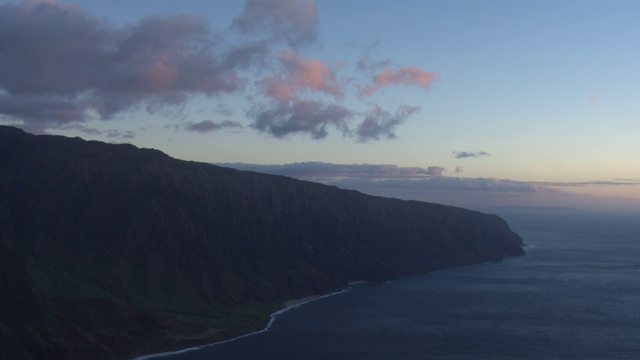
(288, 305)
(300, 301)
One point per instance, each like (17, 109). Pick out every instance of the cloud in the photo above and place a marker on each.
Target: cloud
(322, 170)
(59, 63)
(294, 21)
(468, 154)
(310, 117)
(465, 184)
(222, 109)
(617, 182)
(38, 109)
(209, 126)
(314, 118)
(299, 73)
(109, 133)
(365, 63)
(416, 183)
(381, 123)
(409, 75)
(435, 170)
(62, 65)
(367, 176)
(629, 180)
(459, 169)
(246, 55)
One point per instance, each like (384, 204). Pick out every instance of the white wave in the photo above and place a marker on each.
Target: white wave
(273, 317)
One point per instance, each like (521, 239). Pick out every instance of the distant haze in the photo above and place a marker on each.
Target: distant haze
(412, 183)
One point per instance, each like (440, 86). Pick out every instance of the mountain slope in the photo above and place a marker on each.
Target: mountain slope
(127, 250)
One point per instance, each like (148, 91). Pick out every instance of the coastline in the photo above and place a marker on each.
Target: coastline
(288, 305)
(294, 302)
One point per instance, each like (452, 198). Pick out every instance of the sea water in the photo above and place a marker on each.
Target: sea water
(575, 295)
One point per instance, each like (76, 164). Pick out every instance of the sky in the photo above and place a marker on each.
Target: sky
(467, 103)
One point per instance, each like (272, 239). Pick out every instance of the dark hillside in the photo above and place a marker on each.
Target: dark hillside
(114, 251)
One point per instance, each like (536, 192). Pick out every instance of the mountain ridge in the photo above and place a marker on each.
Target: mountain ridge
(129, 251)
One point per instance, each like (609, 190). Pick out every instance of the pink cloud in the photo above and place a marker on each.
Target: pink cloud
(300, 73)
(435, 170)
(408, 75)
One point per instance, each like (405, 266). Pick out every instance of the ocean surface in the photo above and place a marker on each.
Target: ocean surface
(575, 295)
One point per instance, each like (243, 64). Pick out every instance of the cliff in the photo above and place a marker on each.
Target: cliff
(109, 251)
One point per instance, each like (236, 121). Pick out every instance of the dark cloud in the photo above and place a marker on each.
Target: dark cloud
(294, 21)
(381, 123)
(40, 109)
(307, 117)
(469, 154)
(59, 63)
(247, 55)
(109, 133)
(314, 118)
(209, 126)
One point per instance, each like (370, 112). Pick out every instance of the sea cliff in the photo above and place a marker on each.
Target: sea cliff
(110, 251)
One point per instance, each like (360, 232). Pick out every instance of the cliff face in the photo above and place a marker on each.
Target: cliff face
(122, 250)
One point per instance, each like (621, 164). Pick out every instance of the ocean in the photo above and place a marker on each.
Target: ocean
(575, 295)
